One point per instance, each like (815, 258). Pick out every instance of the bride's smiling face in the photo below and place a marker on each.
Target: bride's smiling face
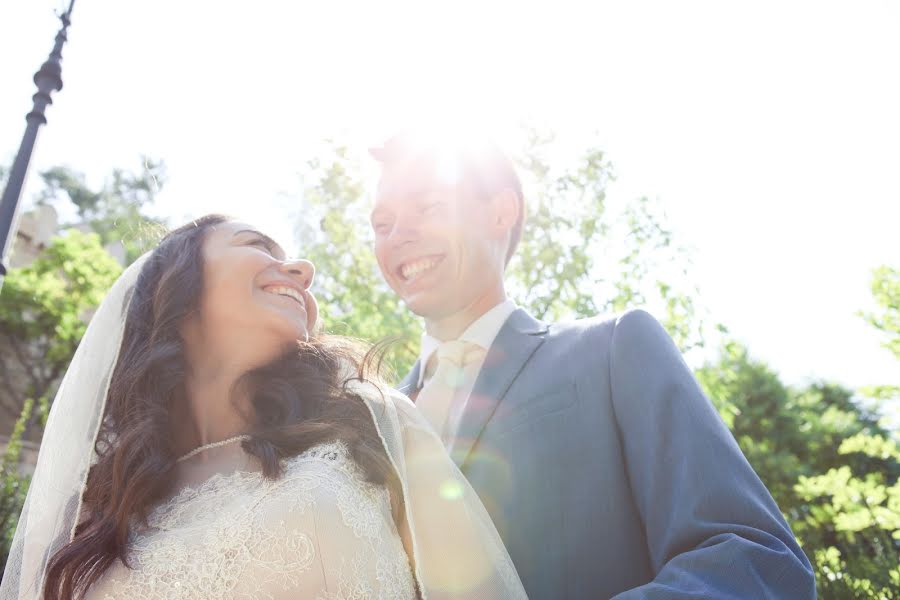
(252, 293)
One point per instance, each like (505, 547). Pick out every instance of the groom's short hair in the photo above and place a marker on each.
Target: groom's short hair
(487, 171)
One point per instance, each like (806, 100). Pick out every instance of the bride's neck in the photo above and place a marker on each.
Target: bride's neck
(216, 405)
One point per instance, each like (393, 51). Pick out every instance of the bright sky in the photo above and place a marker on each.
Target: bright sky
(768, 130)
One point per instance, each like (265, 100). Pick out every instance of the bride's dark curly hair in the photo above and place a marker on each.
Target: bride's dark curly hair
(299, 400)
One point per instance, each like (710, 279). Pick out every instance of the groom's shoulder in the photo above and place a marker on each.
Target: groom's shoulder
(606, 322)
(602, 327)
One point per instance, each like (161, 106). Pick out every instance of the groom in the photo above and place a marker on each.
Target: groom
(606, 470)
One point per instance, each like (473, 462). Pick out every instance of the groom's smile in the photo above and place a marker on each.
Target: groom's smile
(416, 269)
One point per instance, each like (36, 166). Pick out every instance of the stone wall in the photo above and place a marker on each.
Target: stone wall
(36, 230)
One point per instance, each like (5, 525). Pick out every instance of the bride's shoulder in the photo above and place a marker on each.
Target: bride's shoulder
(334, 454)
(330, 462)
(326, 470)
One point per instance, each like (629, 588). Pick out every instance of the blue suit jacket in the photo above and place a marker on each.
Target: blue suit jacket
(609, 474)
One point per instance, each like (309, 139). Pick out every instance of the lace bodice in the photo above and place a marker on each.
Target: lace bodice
(320, 531)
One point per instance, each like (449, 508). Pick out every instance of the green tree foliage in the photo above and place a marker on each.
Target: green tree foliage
(566, 221)
(579, 259)
(14, 484)
(555, 273)
(44, 312)
(117, 210)
(44, 307)
(886, 292)
(831, 467)
(886, 319)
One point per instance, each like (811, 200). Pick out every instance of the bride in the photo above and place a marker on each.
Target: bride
(207, 443)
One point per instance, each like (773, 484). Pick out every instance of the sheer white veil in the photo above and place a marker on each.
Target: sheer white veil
(53, 503)
(454, 546)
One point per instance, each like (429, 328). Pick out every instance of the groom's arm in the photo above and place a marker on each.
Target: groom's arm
(712, 528)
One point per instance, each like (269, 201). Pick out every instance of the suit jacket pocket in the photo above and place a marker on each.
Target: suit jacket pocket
(514, 413)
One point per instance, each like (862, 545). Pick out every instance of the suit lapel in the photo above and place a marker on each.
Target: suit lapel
(409, 384)
(517, 340)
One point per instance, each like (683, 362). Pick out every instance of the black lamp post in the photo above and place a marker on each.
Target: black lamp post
(48, 79)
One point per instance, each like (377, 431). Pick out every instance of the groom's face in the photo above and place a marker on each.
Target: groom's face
(433, 241)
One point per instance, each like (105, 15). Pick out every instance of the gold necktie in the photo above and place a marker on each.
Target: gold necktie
(437, 395)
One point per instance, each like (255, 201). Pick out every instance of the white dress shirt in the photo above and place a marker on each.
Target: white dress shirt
(482, 333)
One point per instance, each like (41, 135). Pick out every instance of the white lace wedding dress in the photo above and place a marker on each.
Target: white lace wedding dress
(319, 531)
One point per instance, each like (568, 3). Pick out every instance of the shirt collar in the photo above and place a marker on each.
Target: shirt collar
(481, 332)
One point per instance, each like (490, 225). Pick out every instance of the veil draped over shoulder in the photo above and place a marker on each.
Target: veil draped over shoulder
(455, 549)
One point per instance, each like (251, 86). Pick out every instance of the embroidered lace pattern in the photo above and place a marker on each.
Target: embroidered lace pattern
(320, 531)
